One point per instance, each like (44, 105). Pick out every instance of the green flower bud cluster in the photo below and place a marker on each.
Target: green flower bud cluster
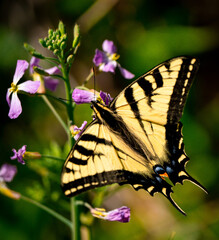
(56, 40)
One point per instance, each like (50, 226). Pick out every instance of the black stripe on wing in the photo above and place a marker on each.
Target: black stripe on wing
(183, 83)
(84, 151)
(146, 86)
(158, 77)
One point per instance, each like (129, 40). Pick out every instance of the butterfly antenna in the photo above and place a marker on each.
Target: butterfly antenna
(94, 82)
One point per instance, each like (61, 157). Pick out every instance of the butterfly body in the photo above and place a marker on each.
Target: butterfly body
(137, 139)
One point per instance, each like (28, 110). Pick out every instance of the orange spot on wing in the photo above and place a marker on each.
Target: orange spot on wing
(163, 175)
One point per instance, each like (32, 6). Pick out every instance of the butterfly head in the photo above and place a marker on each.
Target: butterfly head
(102, 112)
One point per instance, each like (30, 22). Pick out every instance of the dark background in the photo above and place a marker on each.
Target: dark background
(146, 33)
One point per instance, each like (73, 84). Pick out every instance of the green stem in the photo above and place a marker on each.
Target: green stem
(55, 113)
(52, 157)
(48, 210)
(91, 74)
(87, 205)
(60, 100)
(52, 60)
(70, 108)
(75, 218)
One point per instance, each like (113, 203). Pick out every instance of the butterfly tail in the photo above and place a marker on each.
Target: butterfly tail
(191, 179)
(167, 194)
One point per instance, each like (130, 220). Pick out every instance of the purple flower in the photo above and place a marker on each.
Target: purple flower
(107, 99)
(121, 214)
(28, 86)
(50, 82)
(82, 96)
(106, 60)
(7, 172)
(19, 155)
(77, 131)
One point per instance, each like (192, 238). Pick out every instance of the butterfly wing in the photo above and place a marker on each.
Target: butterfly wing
(159, 95)
(152, 106)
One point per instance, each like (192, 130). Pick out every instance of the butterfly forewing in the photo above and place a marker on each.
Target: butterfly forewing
(159, 96)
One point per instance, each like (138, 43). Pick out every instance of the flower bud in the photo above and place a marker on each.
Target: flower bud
(8, 192)
(50, 33)
(40, 71)
(29, 48)
(32, 51)
(56, 51)
(63, 45)
(77, 37)
(61, 28)
(31, 155)
(70, 59)
(42, 42)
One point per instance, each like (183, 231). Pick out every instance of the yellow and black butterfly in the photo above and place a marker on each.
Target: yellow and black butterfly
(137, 139)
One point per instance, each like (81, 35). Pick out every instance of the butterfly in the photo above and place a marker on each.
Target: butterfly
(136, 139)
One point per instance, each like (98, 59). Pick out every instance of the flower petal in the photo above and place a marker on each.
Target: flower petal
(20, 154)
(82, 96)
(15, 107)
(81, 127)
(51, 83)
(100, 57)
(34, 62)
(107, 99)
(9, 92)
(15, 154)
(121, 214)
(53, 70)
(7, 172)
(21, 67)
(29, 86)
(109, 67)
(125, 73)
(109, 47)
(79, 130)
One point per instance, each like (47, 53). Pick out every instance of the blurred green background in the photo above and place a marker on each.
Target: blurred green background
(146, 33)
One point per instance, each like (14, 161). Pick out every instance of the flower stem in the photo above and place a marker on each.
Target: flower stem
(75, 219)
(48, 210)
(52, 157)
(55, 113)
(91, 74)
(70, 108)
